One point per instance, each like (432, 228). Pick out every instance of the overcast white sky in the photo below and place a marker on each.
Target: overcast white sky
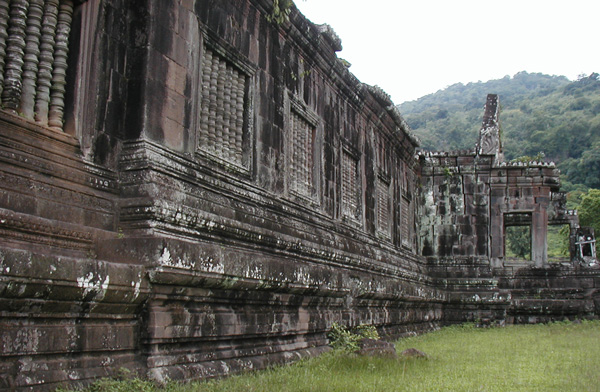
(412, 48)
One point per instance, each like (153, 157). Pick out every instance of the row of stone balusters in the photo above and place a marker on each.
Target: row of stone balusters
(34, 44)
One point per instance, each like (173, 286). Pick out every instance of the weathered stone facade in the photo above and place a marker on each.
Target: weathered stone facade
(189, 190)
(468, 199)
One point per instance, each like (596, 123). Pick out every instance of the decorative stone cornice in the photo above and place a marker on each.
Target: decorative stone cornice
(24, 227)
(444, 154)
(385, 100)
(528, 164)
(330, 36)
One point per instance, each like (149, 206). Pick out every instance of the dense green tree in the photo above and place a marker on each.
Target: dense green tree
(518, 242)
(586, 169)
(539, 113)
(589, 210)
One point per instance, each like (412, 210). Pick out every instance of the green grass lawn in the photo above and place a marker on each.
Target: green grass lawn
(554, 357)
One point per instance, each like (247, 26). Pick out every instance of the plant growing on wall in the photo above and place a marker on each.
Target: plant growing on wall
(447, 171)
(539, 157)
(281, 11)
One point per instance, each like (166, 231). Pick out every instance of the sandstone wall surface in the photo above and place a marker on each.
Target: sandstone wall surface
(189, 189)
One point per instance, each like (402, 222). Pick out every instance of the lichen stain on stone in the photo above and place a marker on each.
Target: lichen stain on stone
(93, 284)
(165, 257)
(253, 271)
(209, 264)
(30, 371)
(26, 340)
(16, 289)
(136, 285)
(229, 282)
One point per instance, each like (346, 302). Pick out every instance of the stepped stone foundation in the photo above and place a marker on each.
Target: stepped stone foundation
(188, 190)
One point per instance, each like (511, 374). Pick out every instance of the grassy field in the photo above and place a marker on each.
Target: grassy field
(554, 357)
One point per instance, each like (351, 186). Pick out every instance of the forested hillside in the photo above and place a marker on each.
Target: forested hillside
(539, 114)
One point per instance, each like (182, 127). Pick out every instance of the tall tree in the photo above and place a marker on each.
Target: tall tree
(589, 210)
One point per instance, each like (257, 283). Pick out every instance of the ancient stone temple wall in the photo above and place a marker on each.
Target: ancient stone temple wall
(468, 201)
(189, 189)
(454, 232)
(219, 190)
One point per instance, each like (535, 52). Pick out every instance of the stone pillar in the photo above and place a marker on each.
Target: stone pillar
(497, 206)
(497, 243)
(539, 234)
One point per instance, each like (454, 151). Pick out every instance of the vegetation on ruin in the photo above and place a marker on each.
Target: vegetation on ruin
(518, 242)
(341, 338)
(589, 210)
(542, 117)
(539, 114)
(281, 11)
(558, 243)
(553, 357)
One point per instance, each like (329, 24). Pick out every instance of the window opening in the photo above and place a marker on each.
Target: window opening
(224, 111)
(350, 187)
(558, 243)
(517, 237)
(302, 157)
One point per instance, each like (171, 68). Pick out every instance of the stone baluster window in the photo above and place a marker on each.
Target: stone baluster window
(351, 191)
(302, 156)
(224, 132)
(405, 221)
(407, 207)
(382, 187)
(383, 207)
(34, 37)
(4, 12)
(407, 212)
(302, 159)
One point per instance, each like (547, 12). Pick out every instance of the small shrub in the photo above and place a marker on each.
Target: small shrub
(342, 338)
(366, 332)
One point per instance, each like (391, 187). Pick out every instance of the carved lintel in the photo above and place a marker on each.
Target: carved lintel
(15, 51)
(59, 72)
